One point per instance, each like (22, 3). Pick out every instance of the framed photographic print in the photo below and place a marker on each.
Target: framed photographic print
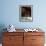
(25, 12)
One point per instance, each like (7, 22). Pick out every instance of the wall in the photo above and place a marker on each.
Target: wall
(10, 13)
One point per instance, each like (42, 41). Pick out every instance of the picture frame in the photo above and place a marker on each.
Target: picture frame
(25, 13)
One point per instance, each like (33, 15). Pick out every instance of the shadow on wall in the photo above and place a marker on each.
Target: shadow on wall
(2, 27)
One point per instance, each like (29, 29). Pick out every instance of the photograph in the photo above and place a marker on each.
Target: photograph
(26, 13)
